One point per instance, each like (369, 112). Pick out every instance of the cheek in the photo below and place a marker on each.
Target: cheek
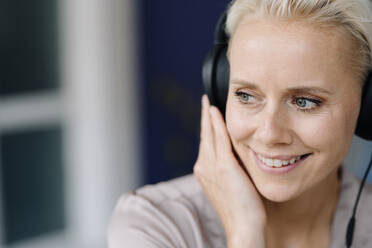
(238, 123)
(317, 131)
(330, 131)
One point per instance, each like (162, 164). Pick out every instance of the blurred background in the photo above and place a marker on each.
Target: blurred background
(98, 98)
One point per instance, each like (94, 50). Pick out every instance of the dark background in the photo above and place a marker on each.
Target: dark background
(31, 167)
(176, 37)
(29, 46)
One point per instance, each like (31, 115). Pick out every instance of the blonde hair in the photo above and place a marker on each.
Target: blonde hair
(351, 17)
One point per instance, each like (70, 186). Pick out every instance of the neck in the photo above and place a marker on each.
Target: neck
(305, 216)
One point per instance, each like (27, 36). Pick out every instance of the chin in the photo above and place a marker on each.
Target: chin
(277, 192)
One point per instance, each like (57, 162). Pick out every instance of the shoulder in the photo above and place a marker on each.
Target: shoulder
(363, 228)
(349, 191)
(181, 188)
(175, 213)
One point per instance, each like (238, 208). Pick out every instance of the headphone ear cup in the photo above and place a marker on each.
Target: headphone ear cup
(364, 125)
(222, 80)
(208, 73)
(216, 73)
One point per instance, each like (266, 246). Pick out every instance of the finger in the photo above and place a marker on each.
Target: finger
(223, 143)
(206, 126)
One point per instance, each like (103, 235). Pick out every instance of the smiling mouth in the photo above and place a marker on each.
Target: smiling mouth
(278, 163)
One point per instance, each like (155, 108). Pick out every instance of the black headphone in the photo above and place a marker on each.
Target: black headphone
(216, 74)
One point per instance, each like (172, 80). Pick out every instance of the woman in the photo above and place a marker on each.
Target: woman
(270, 174)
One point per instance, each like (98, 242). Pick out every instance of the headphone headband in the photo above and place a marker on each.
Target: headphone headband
(220, 36)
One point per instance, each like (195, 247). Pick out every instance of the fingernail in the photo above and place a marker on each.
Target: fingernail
(204, 100)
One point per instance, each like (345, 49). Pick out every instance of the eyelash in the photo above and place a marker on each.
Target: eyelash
(317, 102)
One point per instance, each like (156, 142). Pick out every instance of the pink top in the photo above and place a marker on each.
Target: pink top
(177, 214)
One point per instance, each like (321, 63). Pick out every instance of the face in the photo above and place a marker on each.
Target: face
(292, 105)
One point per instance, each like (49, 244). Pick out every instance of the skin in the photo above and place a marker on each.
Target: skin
(271, 63)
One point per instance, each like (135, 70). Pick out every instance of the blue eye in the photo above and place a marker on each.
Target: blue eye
(306, 104)
(244, 97)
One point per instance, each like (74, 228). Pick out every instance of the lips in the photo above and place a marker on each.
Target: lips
(280, 163)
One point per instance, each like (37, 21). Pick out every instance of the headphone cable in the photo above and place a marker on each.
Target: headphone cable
(351, 225)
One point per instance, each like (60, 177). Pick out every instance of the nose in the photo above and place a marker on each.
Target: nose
(274, 127)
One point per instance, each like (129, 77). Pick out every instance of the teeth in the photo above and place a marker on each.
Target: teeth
(278, 163)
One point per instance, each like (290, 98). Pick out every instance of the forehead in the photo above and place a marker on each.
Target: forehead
(287, 50)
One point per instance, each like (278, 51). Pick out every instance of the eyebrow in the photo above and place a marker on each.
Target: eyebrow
(297, 89)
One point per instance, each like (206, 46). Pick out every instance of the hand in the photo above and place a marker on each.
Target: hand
(227, 185)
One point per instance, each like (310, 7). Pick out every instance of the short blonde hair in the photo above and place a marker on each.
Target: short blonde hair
(351, 17)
